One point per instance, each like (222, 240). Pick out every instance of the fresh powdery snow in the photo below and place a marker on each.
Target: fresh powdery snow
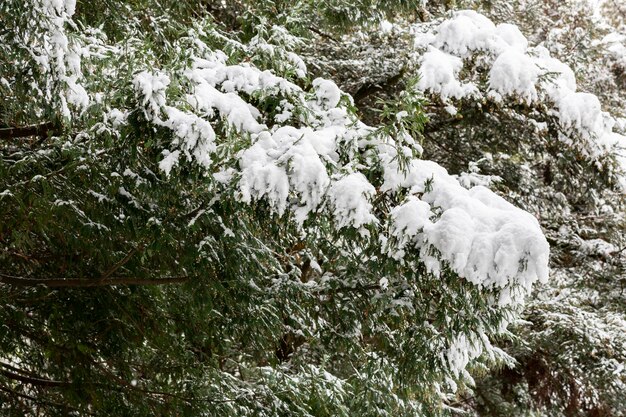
(439, 71)
(481, 236)
(151, 88)
(170, 160)
(350, 197)
(307, 160)
(515, 70)
(302, 170)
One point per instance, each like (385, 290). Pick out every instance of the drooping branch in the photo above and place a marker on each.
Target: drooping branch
(322, 34)
(122, 262)
(19, 375)
(39, 400)
(88, 282)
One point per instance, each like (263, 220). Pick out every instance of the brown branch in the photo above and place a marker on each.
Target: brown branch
(368, 89)
(120, 381)
(15, 369)
(360, 288)
(50, 383)
(322, 34)
(88, 282)
(32, 380)
(42, 382)
(41, 129)
(40, 401)
(434, 126)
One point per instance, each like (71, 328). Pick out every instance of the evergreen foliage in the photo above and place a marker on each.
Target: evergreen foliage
(197, 221)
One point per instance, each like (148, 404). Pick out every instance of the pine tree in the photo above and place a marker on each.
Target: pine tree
(198, 221)
(522, 145)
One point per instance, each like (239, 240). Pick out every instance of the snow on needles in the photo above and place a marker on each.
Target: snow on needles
(58, 56)
(304, 155)
(482, 237)
(514, 70)
(313, 169)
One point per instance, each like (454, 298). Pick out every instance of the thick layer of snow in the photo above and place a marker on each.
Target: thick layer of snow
(469, 31)
(438, 74)
(515, 70)
(477, 234)
(350, 196)
(236, 78)
(482, 237)
(289, 158)
(327, 93)
(581, 111)
(151, 88)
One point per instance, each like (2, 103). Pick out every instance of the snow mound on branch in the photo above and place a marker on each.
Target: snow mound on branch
(287, 158)
(514, 70)
(512, 36)
(315, 169)
(439, 72)
(230, 106)
(261, 176)
(470, 31)
(561, 77)
(482, 237)
(466, 32)
(326, 92)
(237, 78)
(350, 199)
(150, 88)
(581, 111)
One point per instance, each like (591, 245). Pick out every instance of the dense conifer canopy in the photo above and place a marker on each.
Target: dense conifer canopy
(311, 208)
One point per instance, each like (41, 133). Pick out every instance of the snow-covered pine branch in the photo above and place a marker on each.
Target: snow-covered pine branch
(315, 249)
(514, 71)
